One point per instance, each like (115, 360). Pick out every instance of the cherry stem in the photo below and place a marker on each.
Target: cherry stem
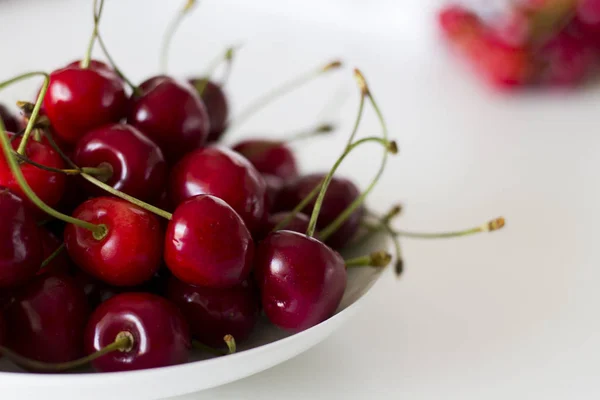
(335, 225)
(298, 208)
(99, 231)
(36, 109)
(170, 32)
(52, 256)
(136, 90)
(286, 88)
(229, 341)
(322, 129)
(375, 259)
(385, 225)
(125, 196)
(123, 342)
(85, 62)
(228, 57)
(103, 172)
(490, 226)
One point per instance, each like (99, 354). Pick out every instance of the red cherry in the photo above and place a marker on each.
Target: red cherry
(139, 168)
(47, 318)
(299, 222)
(302, 280)
(214, 313)
(269, 157)
(49, 186)
(129, 254)
(340, 194)
(96, 66)
(11, 121)
(208, 244)
(171, 114)
(222, 173)
(50, 243)
(216, 104)
(274, 185)
(160, 333)
(81, 99)
(96, 291)
(21, 247)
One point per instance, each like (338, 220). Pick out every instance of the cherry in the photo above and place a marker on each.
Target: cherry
(60, 261)
(269, 157)
(11, 122)
(96, 291)
(222, 173)
(298, 223)
(302, 280)
(49, 186)
(20, 252)
(214, 99)
(47, 319)
(96, 66)
(214, 313)
(274, 185)
(340, 194)
(171, 114)
(81, 99)
(137, 165)
(129, 252)
(160, 333)
(208, 244)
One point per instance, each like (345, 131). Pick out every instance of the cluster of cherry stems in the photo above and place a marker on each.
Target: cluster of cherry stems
(169, 240)
(533, 42)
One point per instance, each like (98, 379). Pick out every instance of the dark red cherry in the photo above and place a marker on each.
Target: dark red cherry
(47, 318)
(274, 185)
(298, 223)
(340, 194)
(216, 105)
(95, 290)
(214, 313)
(81, 99)
(160, 334)
(138, 166)
(302, 280)
(269, 157)
(208, 244)
(20, 243)
(222, 173)
(49, 186)
(11, 122)
(171, 114)
(131, 251)
(50, 243)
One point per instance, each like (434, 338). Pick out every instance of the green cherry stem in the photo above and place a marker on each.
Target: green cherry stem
(85, 62)
(170, 33)
(389, 146)
(322, 129)
(134, 88)
(229, 341)
(99, 231)
(123, 342)
(52, 256)
(274, 94)
(103, 172)
(375, 259)
(228, 58)
(489, 226)
(335, 225)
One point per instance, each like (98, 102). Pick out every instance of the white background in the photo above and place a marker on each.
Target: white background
(505, 316)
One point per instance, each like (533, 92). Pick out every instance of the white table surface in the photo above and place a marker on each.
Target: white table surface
(512, 315)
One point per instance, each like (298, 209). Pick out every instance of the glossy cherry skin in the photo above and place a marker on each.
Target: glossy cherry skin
(340, 194)
(160, 333)
(131, 251)
(208, 244)
(298, 223)
(50, 243)
(21, 246)
(302, 280)
(139, 168)
(11, 122)
(171, 114)
(49, 186)
(222, 173)
(47, 319)
(96, 66)
(216, 104)
(214, 313)
(269, 157)
(79, 100)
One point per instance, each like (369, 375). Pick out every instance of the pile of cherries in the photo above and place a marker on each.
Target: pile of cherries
(534, 42)
(130, 235)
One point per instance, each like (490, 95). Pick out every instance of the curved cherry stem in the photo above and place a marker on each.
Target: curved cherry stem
(389, 146)
(99, 231)
(228, 58)
(489, 226)
(385, 225)
(319, 130)
(274, 94)
(170, 33)
(52, 256)
(340, 219)
(123, 342)
(229, 341)
(136, 90)
(36, 109)
(104, 173)
(85, 62)
(375, 259)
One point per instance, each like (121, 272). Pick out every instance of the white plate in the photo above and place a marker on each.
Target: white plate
(266, 348)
